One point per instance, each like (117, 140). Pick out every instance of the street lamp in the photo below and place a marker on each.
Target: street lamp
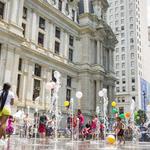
(144, 96)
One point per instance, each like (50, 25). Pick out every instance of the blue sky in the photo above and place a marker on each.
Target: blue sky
(148, 1)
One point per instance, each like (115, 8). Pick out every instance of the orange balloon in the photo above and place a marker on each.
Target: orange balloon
(127, 115)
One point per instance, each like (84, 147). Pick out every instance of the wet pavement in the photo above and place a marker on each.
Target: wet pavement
(66, 144)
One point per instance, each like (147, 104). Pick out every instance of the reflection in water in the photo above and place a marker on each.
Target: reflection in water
(28, 144)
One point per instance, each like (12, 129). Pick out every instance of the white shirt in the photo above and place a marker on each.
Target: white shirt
(10, 96)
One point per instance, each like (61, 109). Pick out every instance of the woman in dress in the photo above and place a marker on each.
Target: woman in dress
(6, 100)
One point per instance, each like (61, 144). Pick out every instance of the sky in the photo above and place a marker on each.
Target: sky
(148, 1)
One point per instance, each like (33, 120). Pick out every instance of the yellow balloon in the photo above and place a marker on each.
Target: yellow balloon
(66, 103)
(113, 104)
(111, 139)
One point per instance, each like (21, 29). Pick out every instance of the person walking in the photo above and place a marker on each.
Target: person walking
(6, 100)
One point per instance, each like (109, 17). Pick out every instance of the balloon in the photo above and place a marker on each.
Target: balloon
(127, 115)
(66, 103)
(111, 139)
(101, 93)
(50, 85)
(114, 111)
(135, 113)
(113, 104)
(79, 95)
(122, 116)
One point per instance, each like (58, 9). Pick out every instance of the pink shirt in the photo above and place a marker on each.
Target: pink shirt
(81, 118)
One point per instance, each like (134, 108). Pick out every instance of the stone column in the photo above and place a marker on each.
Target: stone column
(86, 6)
(63, 7)
(52, 35)
(65, 44)
(110, 59)
(98, 53)
(34, 27)
(20, 12)
(47, 35)
(101, 53)
(29, 95)
(14, 11)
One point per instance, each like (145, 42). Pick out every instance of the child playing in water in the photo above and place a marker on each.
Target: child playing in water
(9, 128)
(119, 128)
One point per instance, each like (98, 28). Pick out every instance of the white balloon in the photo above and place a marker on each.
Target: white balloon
(50, 85)
(148, 108)
(101, 93)
(57, 74)
(79, 94)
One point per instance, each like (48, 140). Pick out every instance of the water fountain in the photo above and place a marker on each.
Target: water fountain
(103, 94)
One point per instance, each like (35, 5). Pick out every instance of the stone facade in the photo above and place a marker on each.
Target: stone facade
(40, 36)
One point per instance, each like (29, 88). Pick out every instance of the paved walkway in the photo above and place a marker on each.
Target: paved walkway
(31, 144)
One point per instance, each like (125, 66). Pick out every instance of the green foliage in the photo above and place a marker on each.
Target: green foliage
(140, 117)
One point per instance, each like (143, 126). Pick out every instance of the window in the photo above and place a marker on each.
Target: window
(117, 89)
(123, 56)
(122, 42)
(2, 5)
(36, 89)
(57, 47)
(131, 26)
(57, 32)
(73, 15)
(20, 64)
(123, 100)
(133, 80)
(123, 49)
(68, 94)
(121, 110)
(117, 57)
(41, 39)
(132, 63)
(41, 23)
(132, 72)
(122, 35)
(117, 73)
(53, 78)
(117, 82)
(123, 81)
(123, 89)
(117, 66)
(133, 87)
(60, 5)
(122, 21)
(122, 7)
(131, 40)
(123, 73)
(37, 70)
(70, 55)
(24, 13)
(18, 85)
(122, 27)
(71, 40)
(69, 79)
(132, 55)
(24, 29)
(123, 65)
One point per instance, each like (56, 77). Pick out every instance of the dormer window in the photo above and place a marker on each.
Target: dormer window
(42, 23)
(24, 13)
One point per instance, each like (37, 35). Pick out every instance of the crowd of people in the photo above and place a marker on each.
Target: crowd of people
(44, 125)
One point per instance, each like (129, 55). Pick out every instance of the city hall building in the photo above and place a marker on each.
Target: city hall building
(38, 37)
